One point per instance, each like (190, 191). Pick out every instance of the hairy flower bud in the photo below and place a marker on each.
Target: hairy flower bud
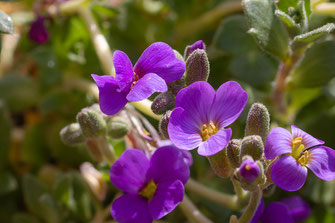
(220, 164)
(250, 174)
(117, 127)
(163, 102)
(92, 123)
(252, 146)
(197, 67)
(72, 135)
(163, 124)
(190, 48)
(258, 121)
(233, 152)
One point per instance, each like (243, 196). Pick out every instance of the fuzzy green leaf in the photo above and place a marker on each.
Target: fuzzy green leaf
(266, 27)
(315, 34)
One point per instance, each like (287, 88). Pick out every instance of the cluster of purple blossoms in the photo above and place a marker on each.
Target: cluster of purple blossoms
(289, 210)
(38, 32)
(152, 188)
(201, 115)
(292, 152)
(157, 66)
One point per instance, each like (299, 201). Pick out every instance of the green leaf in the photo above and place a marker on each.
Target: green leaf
(315, 34)
(33, 189)
(49, 209)
(292, 26)
(300, 97)
(266, 27)
(231, 36)
(316, 68)
(284, 5)
(254, 67)
(8, 183)
(20, 92)
(6, 24)
(72, 192)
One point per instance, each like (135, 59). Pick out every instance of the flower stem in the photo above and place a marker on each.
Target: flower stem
(145, 107)
(101, 46)
(191, 212)
(255, 198)
(107, 150)
(227, 200)
(194, 26)
(242, 195)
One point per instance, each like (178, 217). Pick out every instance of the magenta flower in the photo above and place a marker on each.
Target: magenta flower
(38, 32)
(156, 66)
(152, 189)
(249, 170)
(289, 210)
(201, 115)
(295, 152)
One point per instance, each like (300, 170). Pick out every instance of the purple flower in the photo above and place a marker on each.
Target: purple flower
(295, 152)
(156, 66)
(249, 170)
(289, 210)
(201, 115)
(38, 32)
(152, 189)
(197, 45)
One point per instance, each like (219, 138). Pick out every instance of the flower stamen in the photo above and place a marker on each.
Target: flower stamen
(149, 190)
(208, 130)
(303, 160)
(297, 147)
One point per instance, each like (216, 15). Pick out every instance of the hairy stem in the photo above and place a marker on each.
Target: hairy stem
(191, 212)
(107, 150)
(226, 200)
(255, 198)
(194, 26)
(242, 195)
(280, 82)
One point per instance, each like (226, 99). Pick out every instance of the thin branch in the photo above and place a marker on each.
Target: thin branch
(192, 212)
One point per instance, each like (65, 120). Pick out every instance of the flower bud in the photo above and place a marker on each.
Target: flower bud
(117, 127)
(92, 123)
(249, 170)
(190, 48)
(72, 135)
(197, 67)
(233, 152)
(220, 164)
(163, 124)
(258, 121)
(38, 32)
(163, 102)
(252, 146)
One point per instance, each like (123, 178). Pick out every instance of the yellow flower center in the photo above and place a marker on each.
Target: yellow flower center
(207, 130)
(298, 151)
(149, 190)
(247, 167)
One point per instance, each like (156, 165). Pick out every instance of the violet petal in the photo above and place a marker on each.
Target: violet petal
(131, 208)
(322, 162)
(278, 142)
(167, 163)
(159, 58)
(111, 99)
(128, 173)
(288, 174)
(124, 74)
(258, 213)
(298, 208)
(168, 195)
(230, 100)
(183, 131)
(146, 86)
(215, 143)
(276, 212)
(307, 140)
(197, 100)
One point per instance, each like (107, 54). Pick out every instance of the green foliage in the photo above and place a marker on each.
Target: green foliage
(315, 34)
(269, 33)
(5, 132)
(316, 67)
